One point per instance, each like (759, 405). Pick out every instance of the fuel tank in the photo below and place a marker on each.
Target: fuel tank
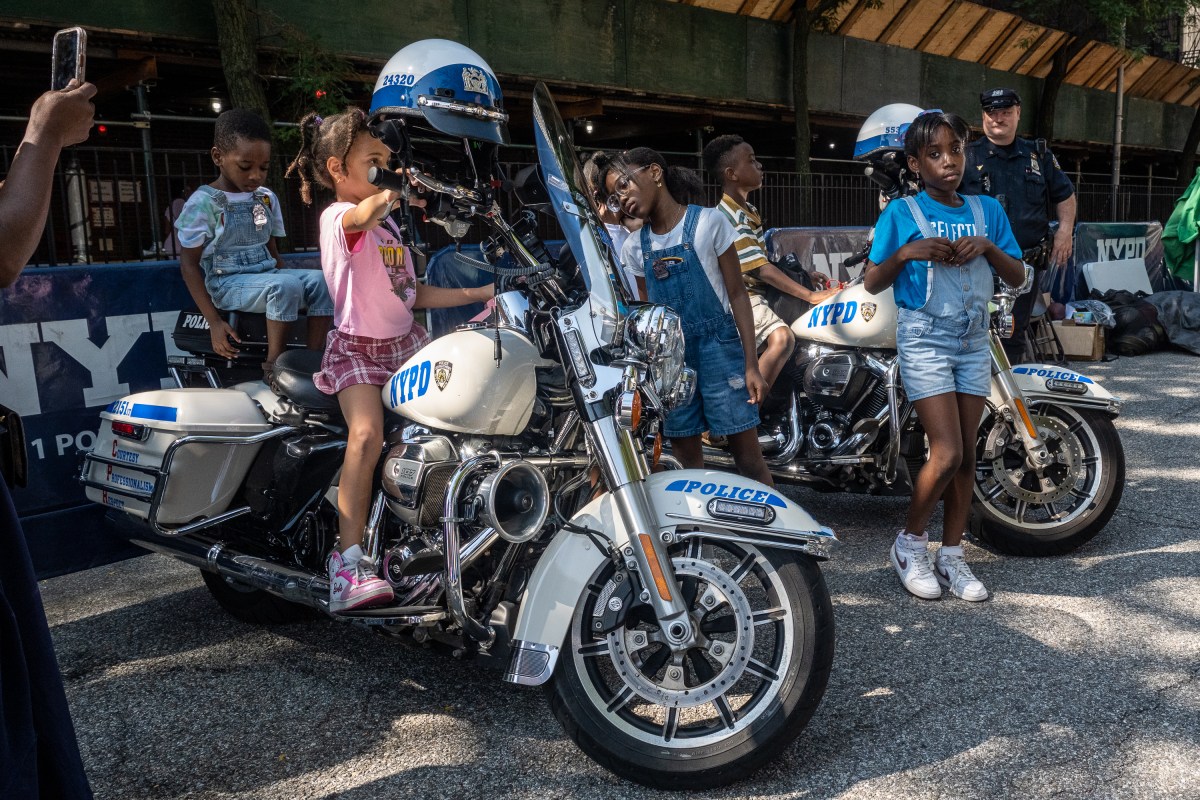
(455, 383)
(852, 317)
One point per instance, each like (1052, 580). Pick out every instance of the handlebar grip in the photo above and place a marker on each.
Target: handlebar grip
(857, 258)
(386, 179)
(881, 179)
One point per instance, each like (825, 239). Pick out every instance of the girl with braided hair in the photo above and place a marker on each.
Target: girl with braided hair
(375, 289)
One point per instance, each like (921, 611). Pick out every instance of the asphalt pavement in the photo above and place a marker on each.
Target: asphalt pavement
(1078, 679)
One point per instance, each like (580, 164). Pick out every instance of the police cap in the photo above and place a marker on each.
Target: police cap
(999, 98)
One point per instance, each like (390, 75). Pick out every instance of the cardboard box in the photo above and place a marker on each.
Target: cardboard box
(1080, 342)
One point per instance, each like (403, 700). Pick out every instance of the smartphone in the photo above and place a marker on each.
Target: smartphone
(68, 57)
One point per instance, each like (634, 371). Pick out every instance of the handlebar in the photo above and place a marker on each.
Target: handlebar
(386, 179)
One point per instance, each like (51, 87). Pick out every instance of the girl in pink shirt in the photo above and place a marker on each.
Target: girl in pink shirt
(374, 288)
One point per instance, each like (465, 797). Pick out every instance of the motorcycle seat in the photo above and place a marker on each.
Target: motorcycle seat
(292, 377)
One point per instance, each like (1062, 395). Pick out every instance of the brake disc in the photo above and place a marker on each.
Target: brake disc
(1058, 477)
(629, 646)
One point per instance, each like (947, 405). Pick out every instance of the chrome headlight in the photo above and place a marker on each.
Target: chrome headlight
(654, 334)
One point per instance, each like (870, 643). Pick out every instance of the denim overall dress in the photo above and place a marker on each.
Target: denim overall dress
(240, 273)
(943, 346)
(713, 347)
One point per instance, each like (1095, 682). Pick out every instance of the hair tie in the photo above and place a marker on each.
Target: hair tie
(317, 120)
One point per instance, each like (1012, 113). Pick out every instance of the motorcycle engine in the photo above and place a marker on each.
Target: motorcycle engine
(415, 474)
(835, 380)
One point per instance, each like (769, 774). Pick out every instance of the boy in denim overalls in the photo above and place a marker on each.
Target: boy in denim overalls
(228, 254)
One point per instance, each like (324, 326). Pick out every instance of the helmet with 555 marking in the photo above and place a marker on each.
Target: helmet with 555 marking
(448, 85)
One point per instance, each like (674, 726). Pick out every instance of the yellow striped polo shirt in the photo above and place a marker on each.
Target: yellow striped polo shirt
(751, 247)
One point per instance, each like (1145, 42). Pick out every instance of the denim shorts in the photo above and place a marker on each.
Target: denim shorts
(279, 293)
(721, 404)
(941, 356)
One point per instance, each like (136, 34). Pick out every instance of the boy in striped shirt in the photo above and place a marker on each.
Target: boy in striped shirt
(731, 159)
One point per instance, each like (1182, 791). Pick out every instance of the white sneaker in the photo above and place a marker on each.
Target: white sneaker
(910, 557)
(953, 573)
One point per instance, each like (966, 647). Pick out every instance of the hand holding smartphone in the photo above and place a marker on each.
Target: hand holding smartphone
(68, 58)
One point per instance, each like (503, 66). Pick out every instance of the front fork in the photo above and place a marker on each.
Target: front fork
(642, 550)
(1014, 409)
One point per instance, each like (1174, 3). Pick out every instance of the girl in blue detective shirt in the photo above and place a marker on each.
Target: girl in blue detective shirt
(938, 251)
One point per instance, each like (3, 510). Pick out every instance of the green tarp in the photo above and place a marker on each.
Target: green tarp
(1181, 230)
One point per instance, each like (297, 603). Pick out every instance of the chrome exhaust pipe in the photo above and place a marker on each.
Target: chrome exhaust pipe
(295, 585)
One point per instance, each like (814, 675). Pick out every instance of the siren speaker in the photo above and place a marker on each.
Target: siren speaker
(516, 501)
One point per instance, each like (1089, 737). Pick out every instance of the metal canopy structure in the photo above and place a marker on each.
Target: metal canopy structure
(982, 35)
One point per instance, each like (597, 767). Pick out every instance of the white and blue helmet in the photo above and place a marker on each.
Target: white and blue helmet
(884, 130)
(447, 84)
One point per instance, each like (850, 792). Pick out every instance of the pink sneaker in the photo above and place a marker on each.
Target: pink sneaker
(352, 586)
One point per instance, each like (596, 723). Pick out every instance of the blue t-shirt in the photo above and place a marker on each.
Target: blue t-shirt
(896, 228)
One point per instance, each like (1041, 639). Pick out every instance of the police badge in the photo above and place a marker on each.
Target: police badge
(867, 310)
(474, 80)
(441, 374)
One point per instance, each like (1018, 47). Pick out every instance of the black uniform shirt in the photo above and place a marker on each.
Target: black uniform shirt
(1027, 185)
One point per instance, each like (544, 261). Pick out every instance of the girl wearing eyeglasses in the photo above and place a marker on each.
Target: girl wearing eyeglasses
(684, 257)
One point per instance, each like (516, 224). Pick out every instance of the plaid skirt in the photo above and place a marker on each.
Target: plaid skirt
(349, 360)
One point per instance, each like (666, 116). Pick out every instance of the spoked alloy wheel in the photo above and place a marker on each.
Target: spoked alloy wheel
(1021, 512)
(714, 713)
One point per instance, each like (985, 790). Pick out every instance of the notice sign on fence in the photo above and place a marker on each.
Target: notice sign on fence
(100, 191)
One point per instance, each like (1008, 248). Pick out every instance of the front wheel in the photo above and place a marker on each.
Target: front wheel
(711, 715)
(1022, 512)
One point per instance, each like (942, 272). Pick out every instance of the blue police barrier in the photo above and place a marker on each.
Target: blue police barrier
(74, 339)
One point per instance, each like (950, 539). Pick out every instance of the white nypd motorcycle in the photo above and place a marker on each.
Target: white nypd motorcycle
(678, 619)
(1050, 468)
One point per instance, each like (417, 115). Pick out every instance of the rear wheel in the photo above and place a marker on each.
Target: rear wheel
(251, 605)
(717, 712)
(1023, 512)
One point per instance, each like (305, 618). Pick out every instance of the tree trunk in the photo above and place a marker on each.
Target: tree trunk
(801, 27)
(1044, 124)
(239, 56)
(239, 60)
(1187, 159)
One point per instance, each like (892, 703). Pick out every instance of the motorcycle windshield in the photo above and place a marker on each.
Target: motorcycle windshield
(569, 195)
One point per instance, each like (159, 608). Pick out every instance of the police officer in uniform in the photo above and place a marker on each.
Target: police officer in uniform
(1025, 178)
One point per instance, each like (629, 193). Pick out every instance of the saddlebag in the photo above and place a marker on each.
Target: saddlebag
(174, 456)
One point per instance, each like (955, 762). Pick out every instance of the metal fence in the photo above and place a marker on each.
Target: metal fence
(102, 209)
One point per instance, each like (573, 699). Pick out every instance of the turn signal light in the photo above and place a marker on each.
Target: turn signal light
(660, 579)
(1025, 418)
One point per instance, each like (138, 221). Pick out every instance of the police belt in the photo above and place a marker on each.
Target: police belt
(1038, 255)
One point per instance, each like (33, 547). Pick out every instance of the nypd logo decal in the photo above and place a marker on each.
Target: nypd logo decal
(410, 383)
(834, 314)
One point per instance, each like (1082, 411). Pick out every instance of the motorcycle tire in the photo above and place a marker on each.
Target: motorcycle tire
(714, 715)
(1018, 516)
(252, 605)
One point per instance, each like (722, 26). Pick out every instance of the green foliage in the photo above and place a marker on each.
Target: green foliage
(1140, 21)
(307, 78)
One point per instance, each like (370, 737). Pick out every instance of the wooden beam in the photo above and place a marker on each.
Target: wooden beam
(648, 127)
(909, 8)
(946, 16)
(1047, 32)
(146, 69)
(1031, 49)
(593, 107)
(1002, 41)
(848, 21)
(973, 34)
